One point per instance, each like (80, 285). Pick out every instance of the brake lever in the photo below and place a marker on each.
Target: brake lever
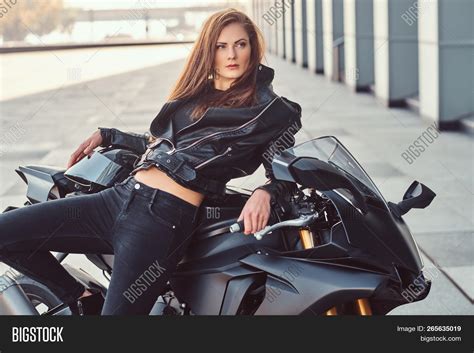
(301, 221)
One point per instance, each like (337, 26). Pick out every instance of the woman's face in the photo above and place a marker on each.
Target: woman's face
(232, 55)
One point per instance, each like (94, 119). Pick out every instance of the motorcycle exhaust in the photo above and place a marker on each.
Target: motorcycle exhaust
(13, 300)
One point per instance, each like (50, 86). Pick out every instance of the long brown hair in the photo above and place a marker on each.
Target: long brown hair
(194, 82)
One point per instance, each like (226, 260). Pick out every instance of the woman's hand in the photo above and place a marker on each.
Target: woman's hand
(256, 211)
(85, 148)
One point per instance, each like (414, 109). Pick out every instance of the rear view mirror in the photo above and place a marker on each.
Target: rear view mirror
(417, 195)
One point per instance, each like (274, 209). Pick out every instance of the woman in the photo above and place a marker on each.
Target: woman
(221, 118)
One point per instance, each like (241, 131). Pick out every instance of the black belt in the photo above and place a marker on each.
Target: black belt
(172, 163)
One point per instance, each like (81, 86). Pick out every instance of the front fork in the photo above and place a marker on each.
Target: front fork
(361, 305)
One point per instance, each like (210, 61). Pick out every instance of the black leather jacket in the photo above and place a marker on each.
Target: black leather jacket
(224, 143)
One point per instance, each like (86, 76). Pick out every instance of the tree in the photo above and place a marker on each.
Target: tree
(39, 17)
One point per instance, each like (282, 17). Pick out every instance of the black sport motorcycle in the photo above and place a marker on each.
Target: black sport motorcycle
(334, 247)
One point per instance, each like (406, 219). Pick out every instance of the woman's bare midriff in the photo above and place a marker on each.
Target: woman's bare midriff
(157, 179)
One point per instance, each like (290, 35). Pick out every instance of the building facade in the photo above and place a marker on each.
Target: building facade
(407, 52)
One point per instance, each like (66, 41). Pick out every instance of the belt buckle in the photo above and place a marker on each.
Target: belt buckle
(150, 148)
(145, 155)
(157, 142)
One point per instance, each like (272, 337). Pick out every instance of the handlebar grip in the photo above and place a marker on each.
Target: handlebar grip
(237, 227)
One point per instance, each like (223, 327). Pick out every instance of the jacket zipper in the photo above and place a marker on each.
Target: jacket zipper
(200, 118)
(174, 150)
(213, 158)
(225, 132)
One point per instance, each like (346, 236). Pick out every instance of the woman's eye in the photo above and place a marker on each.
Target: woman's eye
(242, 44)
(220, 46)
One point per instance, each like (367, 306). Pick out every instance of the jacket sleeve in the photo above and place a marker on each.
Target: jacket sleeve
(128, 140)
(276, 188)
(286, 139)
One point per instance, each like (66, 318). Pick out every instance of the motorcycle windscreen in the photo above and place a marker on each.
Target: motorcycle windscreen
(96, 168)
(330, 150)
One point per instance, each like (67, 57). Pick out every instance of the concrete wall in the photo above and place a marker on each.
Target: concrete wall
(288, 33)
(333, 29)
(404, 49)
(446, 46)
(359, 43)
(298, 23)
(395, 52)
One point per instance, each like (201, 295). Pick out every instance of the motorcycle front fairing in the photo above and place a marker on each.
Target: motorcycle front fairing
(370, 237)
(374, 231)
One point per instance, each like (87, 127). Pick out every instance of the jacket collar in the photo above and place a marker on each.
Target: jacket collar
(265, 75)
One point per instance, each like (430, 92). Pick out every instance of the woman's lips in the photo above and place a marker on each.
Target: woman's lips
(233, 67)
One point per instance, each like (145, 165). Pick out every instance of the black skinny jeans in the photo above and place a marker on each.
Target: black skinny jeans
(147, 229)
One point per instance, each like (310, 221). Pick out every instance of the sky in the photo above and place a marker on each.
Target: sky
(121, 4)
